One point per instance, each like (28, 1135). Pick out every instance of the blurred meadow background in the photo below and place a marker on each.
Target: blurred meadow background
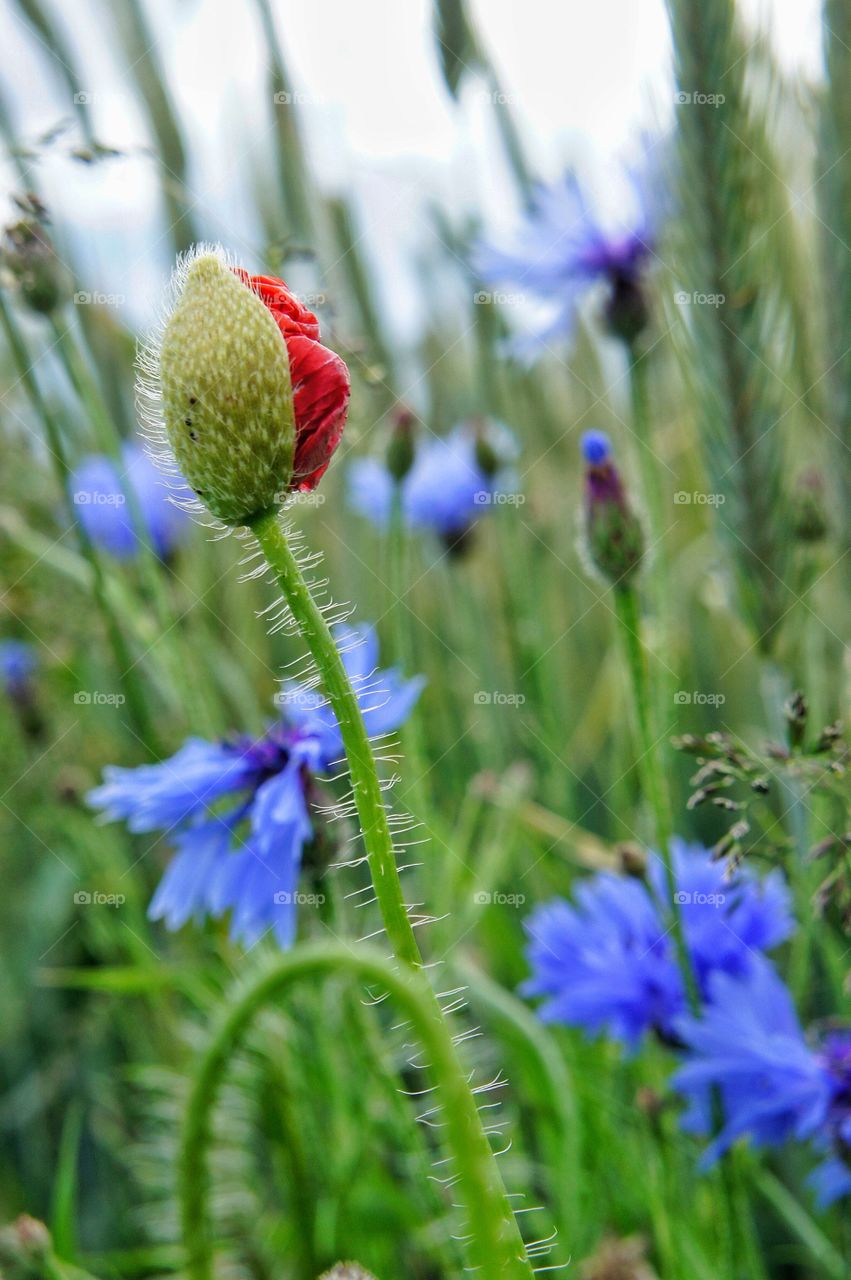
(686, 291)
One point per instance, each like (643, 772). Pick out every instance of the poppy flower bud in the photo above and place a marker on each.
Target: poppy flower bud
(253, 406)
(614, 533)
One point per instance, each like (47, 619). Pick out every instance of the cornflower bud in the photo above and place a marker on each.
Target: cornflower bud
(614, 533)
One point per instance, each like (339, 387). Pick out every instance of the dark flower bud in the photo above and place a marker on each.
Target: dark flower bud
(614, 533)
(32, 262)
(809, 519)
(401, 449)
(626, 308)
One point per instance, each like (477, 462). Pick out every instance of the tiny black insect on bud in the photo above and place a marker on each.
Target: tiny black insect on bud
(633, 859)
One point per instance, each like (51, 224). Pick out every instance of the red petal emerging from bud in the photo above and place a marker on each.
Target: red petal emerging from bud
(320, 381)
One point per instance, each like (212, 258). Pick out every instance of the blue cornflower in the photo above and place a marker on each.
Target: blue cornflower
(774, 1086)
(561, 248)
(608, 963)
(100, 488)
(17, 665)
(238, 811)
(452, 480)
(596, 447)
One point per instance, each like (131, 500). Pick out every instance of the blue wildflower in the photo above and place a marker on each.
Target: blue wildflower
(561, 248)
(17, 665)
(238, 812)
(596, 447)
(451, 481)
(773, 1085)
(101, 497)
(607, 962)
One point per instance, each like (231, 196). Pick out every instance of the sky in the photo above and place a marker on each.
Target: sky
(582, 79)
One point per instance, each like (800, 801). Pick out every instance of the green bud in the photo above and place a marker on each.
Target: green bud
(227, 399)
(401, 448)
(41, 279)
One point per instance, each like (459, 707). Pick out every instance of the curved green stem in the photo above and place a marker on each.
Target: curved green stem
(486, 1194)
(495, 1244)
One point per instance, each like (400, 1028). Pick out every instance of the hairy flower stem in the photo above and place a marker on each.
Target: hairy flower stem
(496, 1248)
(651, 770)
(366, 785)
(489, 1208)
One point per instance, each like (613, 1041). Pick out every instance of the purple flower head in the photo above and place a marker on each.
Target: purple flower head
(17, 665)
(102, 493)
(615, 537)
(606, 962)
(238, 811)
(562, 247)
(774, 1086)
(446, 487)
